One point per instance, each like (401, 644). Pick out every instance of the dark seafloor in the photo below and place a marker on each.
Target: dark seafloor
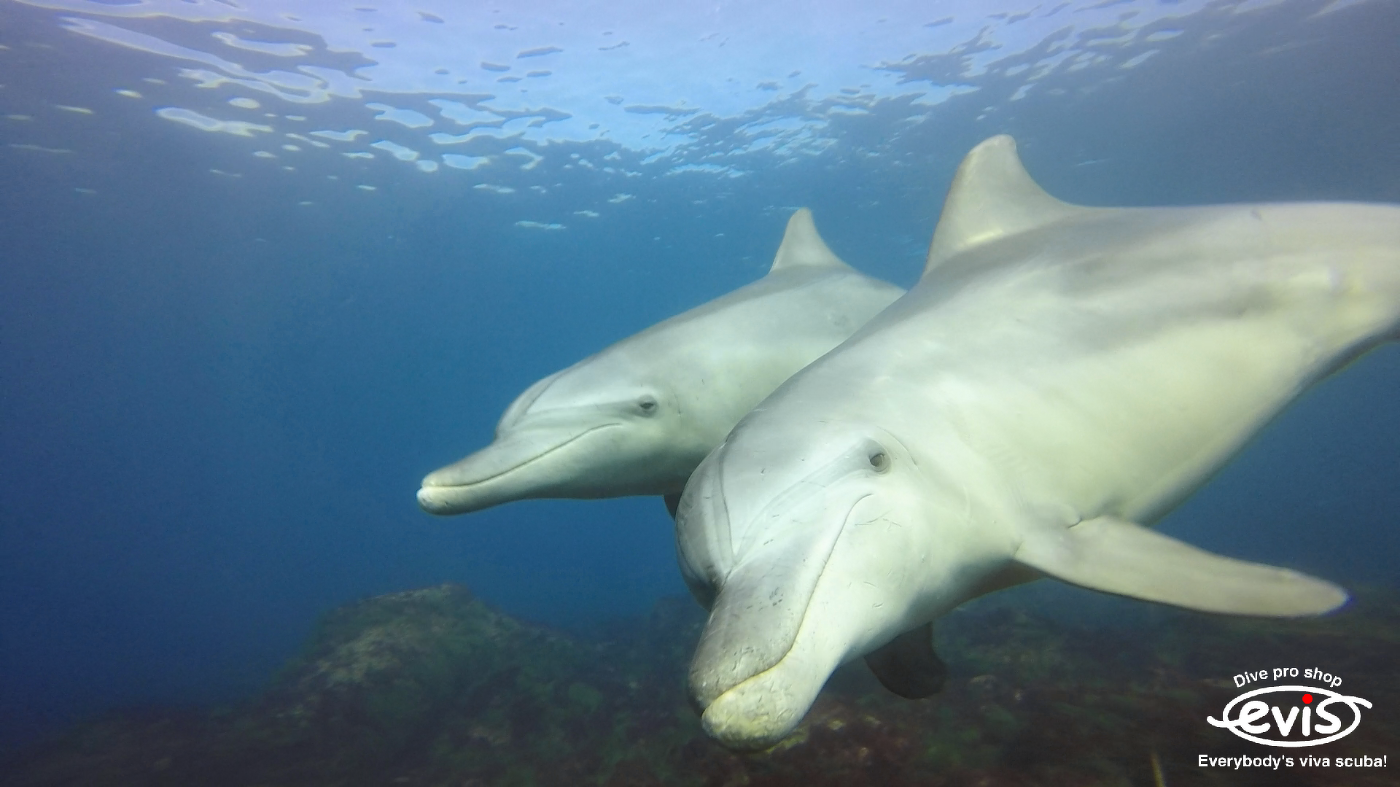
(434, 687)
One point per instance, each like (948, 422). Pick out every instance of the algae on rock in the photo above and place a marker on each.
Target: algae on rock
(433, 687)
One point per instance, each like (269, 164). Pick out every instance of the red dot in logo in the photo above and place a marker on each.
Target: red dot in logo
(1307, 699)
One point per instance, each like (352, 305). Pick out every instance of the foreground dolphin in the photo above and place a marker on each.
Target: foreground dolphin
(1059, 377)
(636, 418)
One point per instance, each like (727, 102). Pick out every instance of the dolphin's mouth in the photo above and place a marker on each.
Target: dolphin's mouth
(502, 472)
(749, 699)
(754, 624)
(431, 482)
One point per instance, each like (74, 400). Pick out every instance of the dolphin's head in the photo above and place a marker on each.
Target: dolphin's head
(800, 536)
(597, 429)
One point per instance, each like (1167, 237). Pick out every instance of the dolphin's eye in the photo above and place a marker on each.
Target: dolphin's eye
(647, 405)
(880, 461)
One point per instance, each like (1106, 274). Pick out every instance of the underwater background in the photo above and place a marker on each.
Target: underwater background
(231, 346)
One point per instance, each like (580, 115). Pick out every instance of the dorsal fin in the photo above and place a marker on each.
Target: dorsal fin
(802, 246)
(992, 196)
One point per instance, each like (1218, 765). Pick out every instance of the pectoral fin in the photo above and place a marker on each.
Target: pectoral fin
(908, 666)
(1115, 556)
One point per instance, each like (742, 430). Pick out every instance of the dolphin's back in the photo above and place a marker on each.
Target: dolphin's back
(1146, 344)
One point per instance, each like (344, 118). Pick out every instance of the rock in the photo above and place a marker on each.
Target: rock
(377, 674)
(433, 687)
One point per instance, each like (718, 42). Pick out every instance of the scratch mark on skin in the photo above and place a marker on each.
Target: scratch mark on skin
(880, 517)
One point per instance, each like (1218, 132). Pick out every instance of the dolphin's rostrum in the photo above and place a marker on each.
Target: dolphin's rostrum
(636, 418)
(1059, 378)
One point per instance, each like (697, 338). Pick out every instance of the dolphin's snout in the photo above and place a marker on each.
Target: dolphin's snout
(761, 711)
(442, 477)
(508, 469)
(747, 664)
(431, 498)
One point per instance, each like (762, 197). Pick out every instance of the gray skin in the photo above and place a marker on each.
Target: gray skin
(1060, 378)
(636, 418)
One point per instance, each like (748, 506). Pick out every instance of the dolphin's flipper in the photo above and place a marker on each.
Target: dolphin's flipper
(673, 502)
(908, 666)
(1115, 556)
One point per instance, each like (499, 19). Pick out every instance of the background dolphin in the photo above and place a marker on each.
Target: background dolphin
(1058, 378)
(636, 418)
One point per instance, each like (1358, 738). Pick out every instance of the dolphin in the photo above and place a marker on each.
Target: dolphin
(1060, 378)
(636, 418)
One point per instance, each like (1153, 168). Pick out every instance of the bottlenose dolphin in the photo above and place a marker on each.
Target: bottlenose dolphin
(636, 418)
(1060, 377)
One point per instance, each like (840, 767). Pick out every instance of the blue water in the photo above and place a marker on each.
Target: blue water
(216, 403)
